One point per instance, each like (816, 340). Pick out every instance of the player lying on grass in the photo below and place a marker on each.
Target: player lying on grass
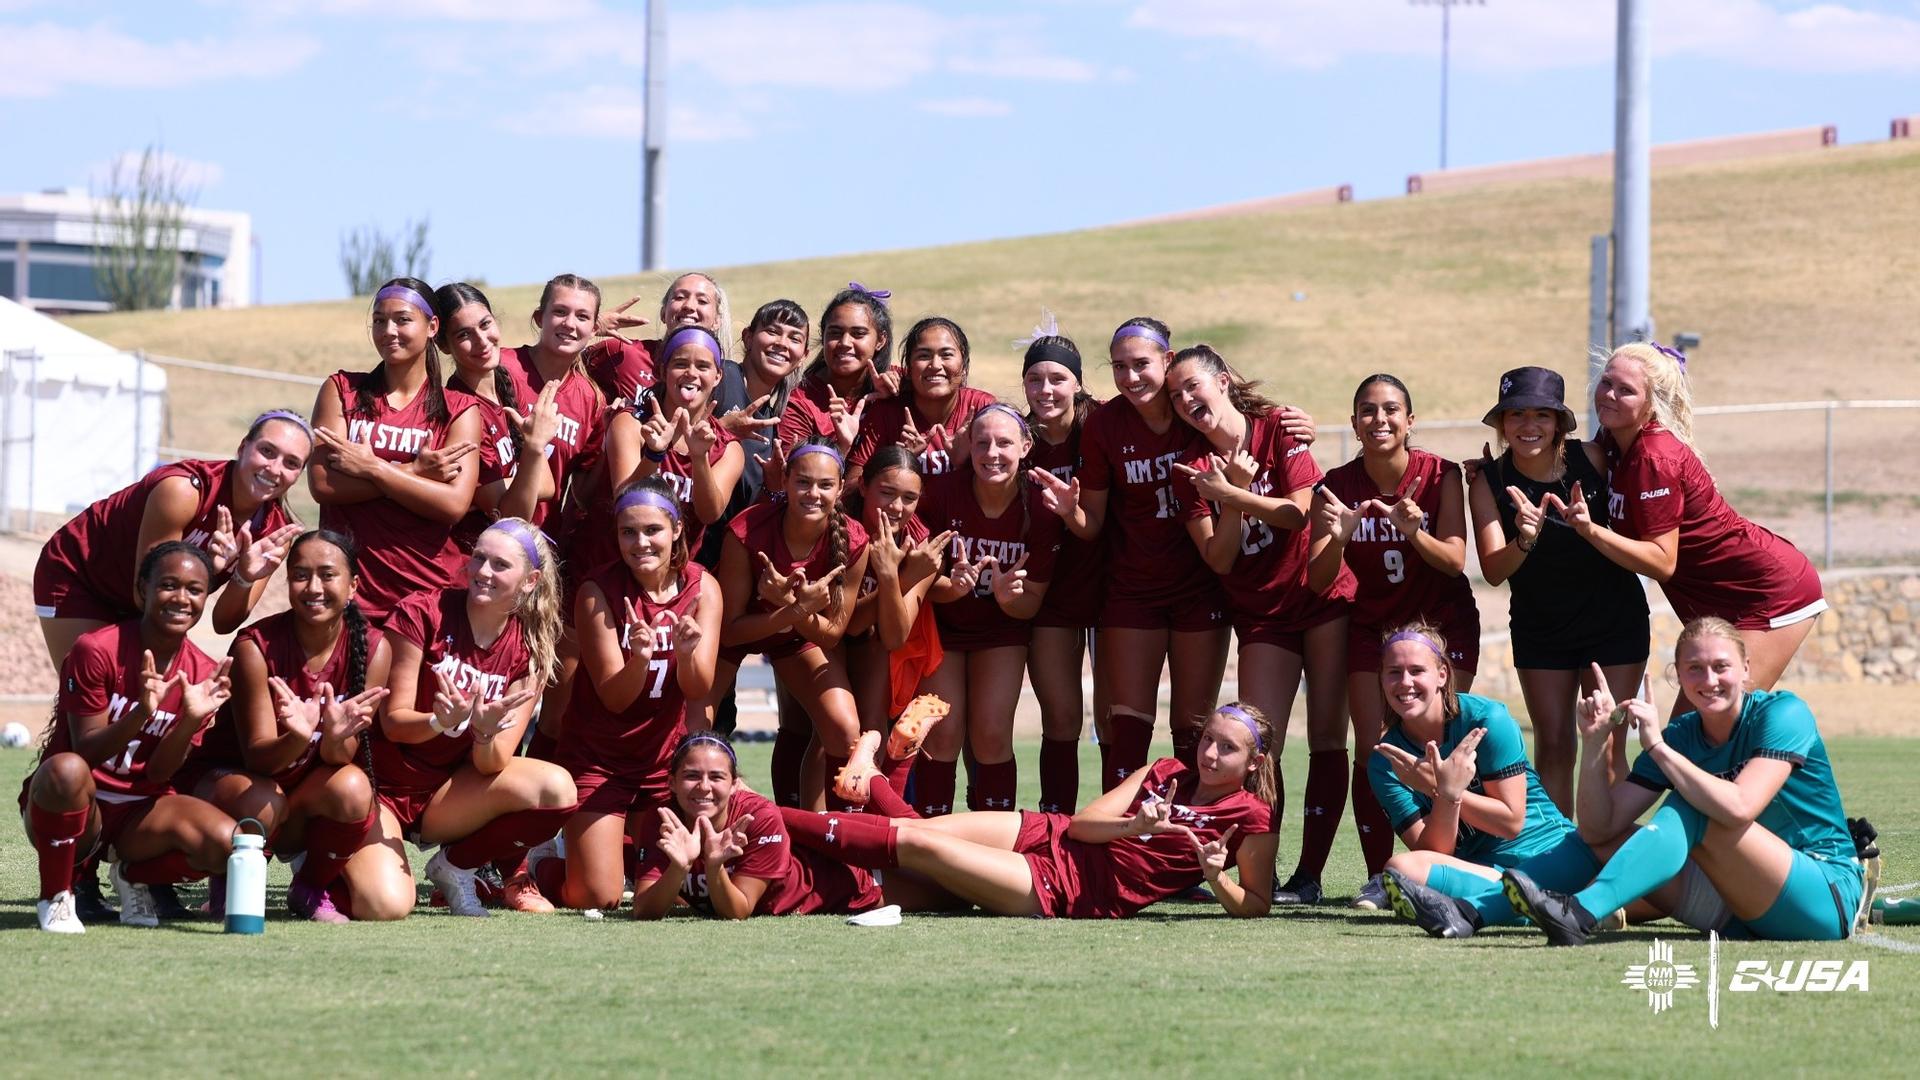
(1160, 832)
(1452, 774)
(1764, 854)
(133, 696)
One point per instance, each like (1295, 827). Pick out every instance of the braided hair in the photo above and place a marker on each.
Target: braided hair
(450, 298)
(353, 624)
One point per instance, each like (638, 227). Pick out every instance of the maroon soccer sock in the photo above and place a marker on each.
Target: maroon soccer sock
(993, 785)
(1186, 746)
(1376, 832)
(882, 799)
(330, 844)
(551, 875)
(1322, 809)
(169, 869)
(1132, 741)
(833, 763)
(897, 770)
(56, 836)
(1059, 775)
(789, 754)
(933, 786)
(508, 833)
(855, 839)
(1106, 765)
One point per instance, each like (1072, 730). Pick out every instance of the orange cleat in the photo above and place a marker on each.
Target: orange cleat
(911, 728)
(852, 781)
(521, 894)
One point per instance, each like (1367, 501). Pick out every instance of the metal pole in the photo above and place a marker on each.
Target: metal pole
(139, 406)
(653, 204)
(1632, 190)
(1598, 343)
(1446, 38)
(1827, 561)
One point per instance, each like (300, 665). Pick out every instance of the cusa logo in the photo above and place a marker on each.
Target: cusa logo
(1816, 976)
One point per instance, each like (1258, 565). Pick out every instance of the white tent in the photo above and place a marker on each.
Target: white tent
(81, 418)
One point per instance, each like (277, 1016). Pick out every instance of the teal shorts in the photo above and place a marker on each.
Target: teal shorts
(1816, 904)
(1567, 866)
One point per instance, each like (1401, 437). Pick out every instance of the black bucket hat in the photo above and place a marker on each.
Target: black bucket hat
(1532, 388)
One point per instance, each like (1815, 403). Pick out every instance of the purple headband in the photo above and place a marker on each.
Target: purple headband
(1415, 635)
(881, 295)
(282, 414)
(695, 333)
(1246, 718)
(401, 292)
(817, 448)
(641, 496)
(1136, 330)
(1001, 406)
(512, 527)
(709, 737)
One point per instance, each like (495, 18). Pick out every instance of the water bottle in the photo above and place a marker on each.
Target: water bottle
(1896, 910)
(247, 880)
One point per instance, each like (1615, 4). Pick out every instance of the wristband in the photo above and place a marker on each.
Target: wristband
(655, 456)
(1525, 545)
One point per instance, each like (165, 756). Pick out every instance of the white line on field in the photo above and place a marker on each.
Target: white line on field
(1881, 941)
(1889, 890)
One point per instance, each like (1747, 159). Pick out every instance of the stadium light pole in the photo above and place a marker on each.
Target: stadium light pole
(1632, 174)
(1446, 47)
(653, 147)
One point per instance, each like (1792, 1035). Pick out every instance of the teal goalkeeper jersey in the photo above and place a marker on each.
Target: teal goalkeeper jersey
(1806, 813)
(1502, 754)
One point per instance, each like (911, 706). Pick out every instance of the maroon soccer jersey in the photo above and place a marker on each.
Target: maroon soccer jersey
(1150, 556)
(1117, 879)
(97, 548)
(577, 443)
(1393, 584)
(277, 638)
(799, 882)
(884, 421)
(624, 370)
(759, 528)
(436, 622)
(1025, 527)
(400, 551)
(498, 446)
(1269, 575)
(808, 416)
(101, 676)
(639, 739)
(1727, 566)
(1073, 599)
(915, 532)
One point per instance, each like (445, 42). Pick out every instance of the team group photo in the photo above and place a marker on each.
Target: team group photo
(1319, 634)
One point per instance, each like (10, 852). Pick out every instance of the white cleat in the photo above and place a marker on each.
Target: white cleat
(57, 915)
(880, 916)
(456, 885)
(136, 902)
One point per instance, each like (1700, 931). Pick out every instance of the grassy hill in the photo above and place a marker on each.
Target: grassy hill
(1801, 272)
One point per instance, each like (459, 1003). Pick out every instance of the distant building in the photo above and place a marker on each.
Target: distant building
(46, 255)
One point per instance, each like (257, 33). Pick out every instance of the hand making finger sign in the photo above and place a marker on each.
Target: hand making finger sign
(721, 845)
(922, 560)
(1060, 496)
(452, 707)
(845, 421)
(1213, 853)
(1405, 511)
(343, 718)
(636, 633)
(677, 842)
(1334, 517)
(222, 547)
(490, 718)
(773, 467)
(886, 383)
(747, 423)
(442, 464)
(1210, 482)
(200, 700)
(1527, 517)
(1452, 776)
(1415, 772)
(614, 320)
(1009, 584)
(911, 439)
(774, 587)
(964, 575)
(812, 597)
(687, 634)
(297, 715)
(260, 558)
(1574, 508)
(346, 456)
(539, 427)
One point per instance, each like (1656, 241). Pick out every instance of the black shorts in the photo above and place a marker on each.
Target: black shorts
(1626, 641)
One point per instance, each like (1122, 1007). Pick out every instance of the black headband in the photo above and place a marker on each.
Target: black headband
(1045, 351)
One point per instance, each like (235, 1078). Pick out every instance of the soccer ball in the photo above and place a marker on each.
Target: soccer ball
(14, 736)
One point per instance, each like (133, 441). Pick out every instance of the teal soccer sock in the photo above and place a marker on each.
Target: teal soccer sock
(1485, 897)
(1646, 861)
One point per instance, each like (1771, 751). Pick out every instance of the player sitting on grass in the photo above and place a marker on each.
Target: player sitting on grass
(1160, 832)
(1452, 775)
(1771, 843)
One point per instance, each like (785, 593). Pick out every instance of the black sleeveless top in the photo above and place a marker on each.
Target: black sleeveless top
(1567, 595)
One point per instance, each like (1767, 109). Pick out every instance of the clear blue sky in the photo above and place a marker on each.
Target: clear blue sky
(812, 128)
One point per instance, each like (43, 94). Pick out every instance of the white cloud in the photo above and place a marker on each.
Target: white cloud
(1532, 36)
(193, 175)
(619, 113)
(966, 107)
(502, 11)
(41, 59)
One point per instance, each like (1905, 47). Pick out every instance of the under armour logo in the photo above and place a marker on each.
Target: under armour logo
(68, 842)
(1316, 810)
(1002, 803)
(832, 824)
(1127, 449)
(935, 810)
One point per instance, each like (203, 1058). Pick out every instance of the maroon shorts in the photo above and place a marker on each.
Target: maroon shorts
(59, 594)
(1290, 632)
(1190, 612)
(115, 818)
(603, 791)
(1001, 635)
(773, 648)
(1462, 632)
(1065, 888)
(408, 805)
(1072, 601)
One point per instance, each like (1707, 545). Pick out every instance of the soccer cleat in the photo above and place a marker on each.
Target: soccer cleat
(167, 905)
(456, 885)
(855, 777)
(880, 916)
(89, 903)
(307, 901)
(1615, 921)
(910, 730)
(1372, 896)
(1561, 916)
(1299, 889)
(521, 894)
(57, 915)
(1193, 894)
(136, 903)
(1431, 910)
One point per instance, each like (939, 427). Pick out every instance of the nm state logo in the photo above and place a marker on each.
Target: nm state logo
(1660, 976)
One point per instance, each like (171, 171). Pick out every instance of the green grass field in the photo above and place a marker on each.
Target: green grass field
(1181, 990)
